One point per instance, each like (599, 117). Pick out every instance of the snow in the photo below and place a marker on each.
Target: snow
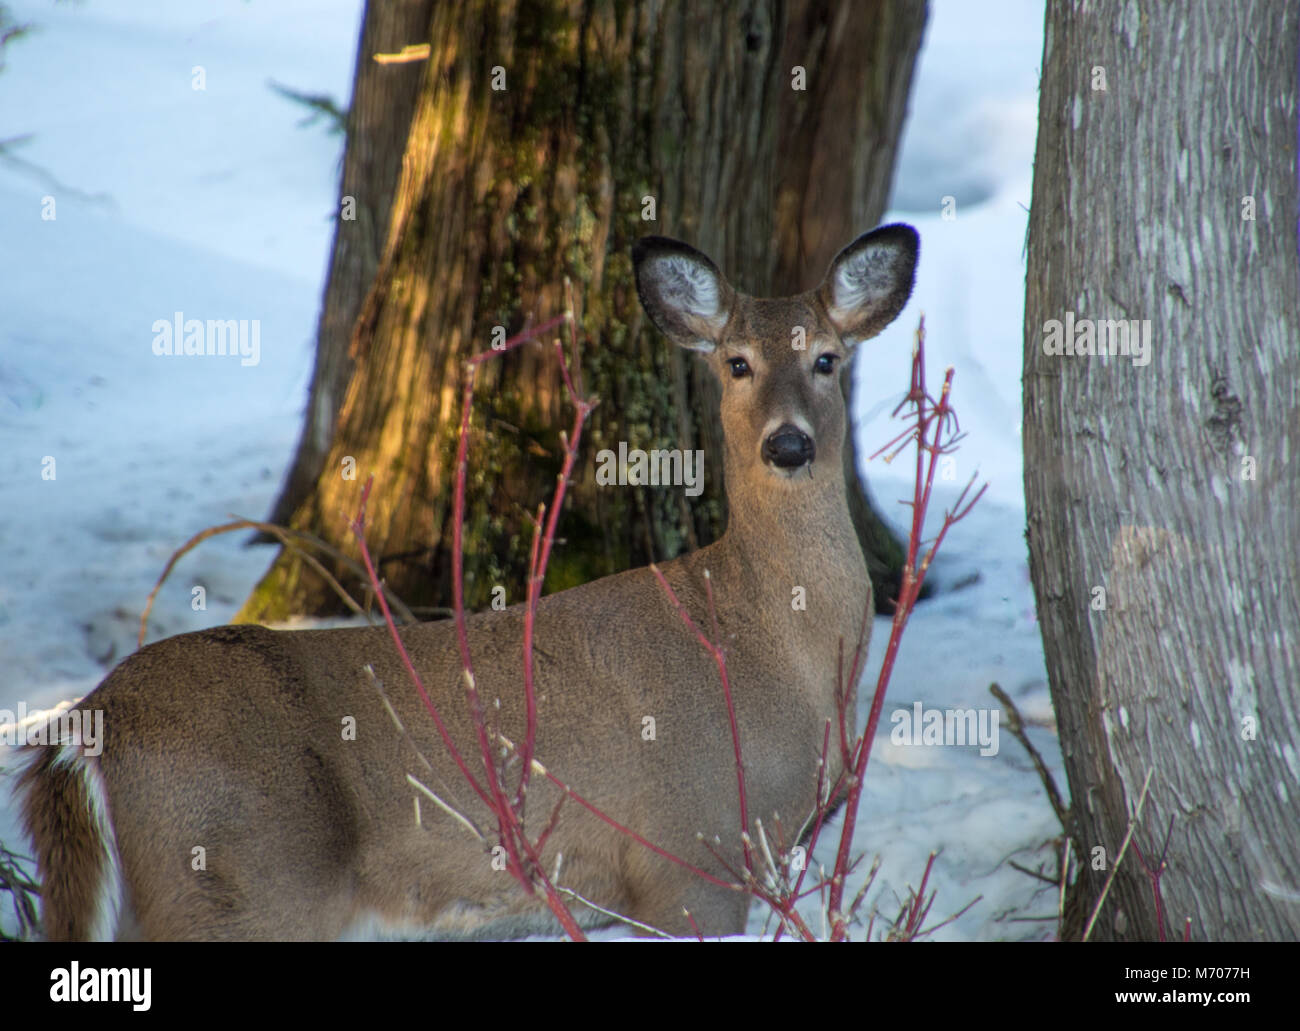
(216, 203)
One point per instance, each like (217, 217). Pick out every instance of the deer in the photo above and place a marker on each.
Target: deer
(225, 802)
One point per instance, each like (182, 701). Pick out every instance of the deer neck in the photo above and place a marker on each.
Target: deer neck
(799, 533)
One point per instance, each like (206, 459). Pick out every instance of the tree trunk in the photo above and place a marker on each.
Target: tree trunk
(1164, 530)
(505, 192)
(379, 118)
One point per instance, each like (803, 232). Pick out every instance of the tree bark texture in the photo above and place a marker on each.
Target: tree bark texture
(379, 118)
(601, 109)
(1164, 497)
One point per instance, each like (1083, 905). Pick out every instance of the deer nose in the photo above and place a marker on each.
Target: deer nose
(788, 447)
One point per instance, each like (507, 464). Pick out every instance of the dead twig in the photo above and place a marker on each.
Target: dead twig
(289, 538)
(1017, 727)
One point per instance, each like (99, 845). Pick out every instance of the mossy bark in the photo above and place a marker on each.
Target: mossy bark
(542, 135)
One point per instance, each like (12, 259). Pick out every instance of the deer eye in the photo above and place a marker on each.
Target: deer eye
(825, 363)
(739, 367)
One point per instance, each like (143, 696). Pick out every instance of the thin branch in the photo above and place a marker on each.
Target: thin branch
(287, 537)
(611, 913)
(720, 660)
(932, 420)
(453, 813)
(1017, 727)
(1114, 869)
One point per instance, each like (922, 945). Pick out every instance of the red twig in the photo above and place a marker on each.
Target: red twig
(714, 648)
(819, 817)
(523, 856)
(1154, 874)
(500, 806)
(520, 338)
(541, 557)
(936, 431)
(919, 907)
(605, 818)
(359, 529)
(933, 420)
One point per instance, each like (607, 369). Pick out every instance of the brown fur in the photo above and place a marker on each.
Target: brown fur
(230, 740)
(58, 817)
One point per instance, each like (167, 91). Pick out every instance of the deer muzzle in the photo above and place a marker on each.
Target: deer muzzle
(788, 448)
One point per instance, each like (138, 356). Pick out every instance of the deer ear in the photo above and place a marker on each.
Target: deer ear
(870, 280)
(682, 291)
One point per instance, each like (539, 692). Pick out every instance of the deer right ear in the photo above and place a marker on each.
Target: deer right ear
(682, 291)
(870, 280)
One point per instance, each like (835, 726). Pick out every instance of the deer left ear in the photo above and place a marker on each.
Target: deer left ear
(870, 281)
(682, 291)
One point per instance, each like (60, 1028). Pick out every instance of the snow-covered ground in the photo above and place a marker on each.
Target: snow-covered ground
(217, 203)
